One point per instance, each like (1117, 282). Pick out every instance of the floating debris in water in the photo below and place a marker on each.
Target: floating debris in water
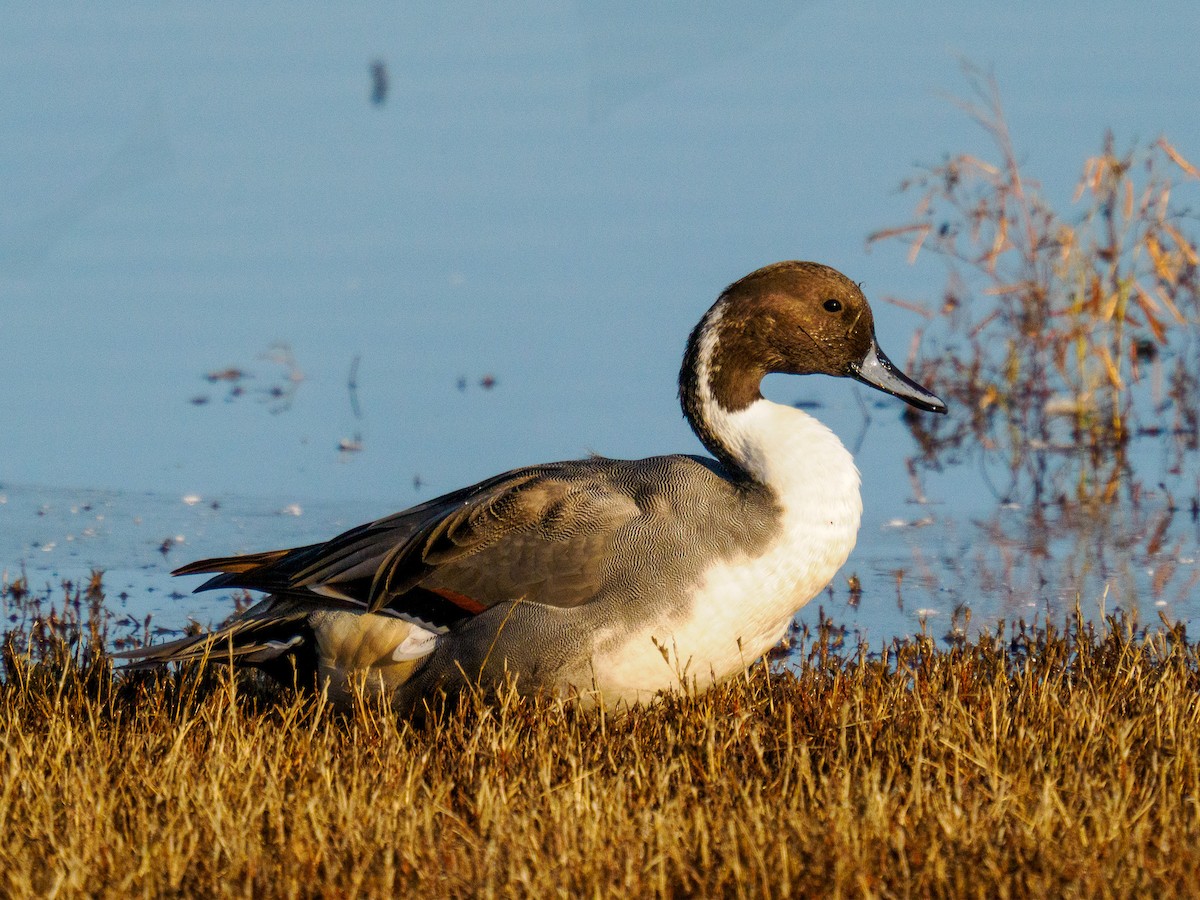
(280, 394)
(352, 387)
(487, 382)
(379, 82)
(281, 354)
(906, 523)
(856, 590)
(231, 374)
(352, 444)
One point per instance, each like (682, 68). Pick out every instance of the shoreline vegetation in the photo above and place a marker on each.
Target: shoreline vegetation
(1026, 761)
(1061, 333)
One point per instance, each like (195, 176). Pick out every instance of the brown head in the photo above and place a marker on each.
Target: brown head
(798, 318)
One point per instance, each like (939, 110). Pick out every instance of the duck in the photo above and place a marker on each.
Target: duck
(606, 581)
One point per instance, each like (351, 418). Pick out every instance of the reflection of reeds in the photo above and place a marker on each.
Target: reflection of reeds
(1021, 762)
(1053, 558)
(1047, 323)
(34, 621)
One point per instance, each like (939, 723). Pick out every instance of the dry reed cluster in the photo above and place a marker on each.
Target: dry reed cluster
(1049, 320)
(1025, 763)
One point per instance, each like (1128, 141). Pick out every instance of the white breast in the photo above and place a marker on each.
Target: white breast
(742, 607)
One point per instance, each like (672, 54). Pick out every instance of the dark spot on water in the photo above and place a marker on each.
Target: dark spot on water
(379, 82)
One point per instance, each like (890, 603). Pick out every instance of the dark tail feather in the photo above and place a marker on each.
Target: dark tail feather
(271, 571)
(265, 640)
(232, 563)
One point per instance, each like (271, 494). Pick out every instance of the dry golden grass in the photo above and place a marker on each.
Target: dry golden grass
(1035, 763)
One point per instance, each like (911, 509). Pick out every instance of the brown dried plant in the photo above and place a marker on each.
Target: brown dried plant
(1049, 325)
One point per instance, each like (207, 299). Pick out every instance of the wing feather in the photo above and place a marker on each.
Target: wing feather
(544, 534)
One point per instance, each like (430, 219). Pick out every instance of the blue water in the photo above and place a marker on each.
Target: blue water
(549, 196)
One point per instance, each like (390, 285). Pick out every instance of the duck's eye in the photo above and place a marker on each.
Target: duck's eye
(832, 305)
